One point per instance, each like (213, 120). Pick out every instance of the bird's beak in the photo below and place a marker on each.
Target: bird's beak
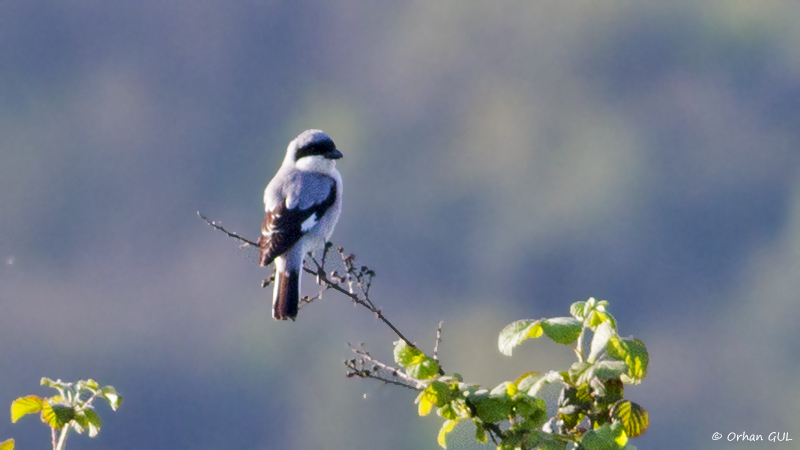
(335, 154)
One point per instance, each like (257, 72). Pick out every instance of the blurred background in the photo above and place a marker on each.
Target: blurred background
(501, 162)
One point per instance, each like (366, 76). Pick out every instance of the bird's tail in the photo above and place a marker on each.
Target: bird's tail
(286, 298)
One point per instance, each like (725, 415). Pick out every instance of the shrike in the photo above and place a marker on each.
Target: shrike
(302, 204)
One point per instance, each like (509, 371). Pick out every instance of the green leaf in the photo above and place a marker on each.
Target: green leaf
(437, 393)
(80, 422)
(632, 416)
(571, 420)
(25, 405)
(599, 316)
(601, 336)
(574, 401)
(113, 397)
(506, 388)
(577, 310)
(523, 435)
(589, 306)
(607, 437)
(94, 422)
(62, 387)
(50, 383)
(573, 404)
(447, 427)
(480, 433)
(511, 440)
(609, 370)
(57, 415)
(552, 445)
(447, 412)
(492, 409)
(427, 369)
(549, 377)
(7, 444)
(633, 353)
(425, 403)
(513, 334)
(90, 384)
(525, 381)
(417, 364)
(563, 330)
(532, 409)
(609, 392)
(577, 372)
(459, 405)
(406, 356)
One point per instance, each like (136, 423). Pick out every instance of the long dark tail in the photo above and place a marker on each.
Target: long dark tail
(286, 299)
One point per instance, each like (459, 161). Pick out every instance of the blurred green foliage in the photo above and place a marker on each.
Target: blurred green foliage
(70, 410)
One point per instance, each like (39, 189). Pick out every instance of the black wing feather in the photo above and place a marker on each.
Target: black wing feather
(282, 227)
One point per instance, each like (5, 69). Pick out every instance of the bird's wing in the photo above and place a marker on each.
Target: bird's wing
(304, 199)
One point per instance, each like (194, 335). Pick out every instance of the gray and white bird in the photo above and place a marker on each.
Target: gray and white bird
(302, 204)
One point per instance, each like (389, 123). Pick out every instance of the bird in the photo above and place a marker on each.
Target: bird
(302, 204)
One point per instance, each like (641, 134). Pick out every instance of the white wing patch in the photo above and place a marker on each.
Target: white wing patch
(308, 223)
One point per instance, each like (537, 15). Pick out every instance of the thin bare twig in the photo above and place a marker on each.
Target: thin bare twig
(229, 233)
(438, 340)
(367, 374)
(308, 300)
(365, 302)
(358, 367)
(493, 431)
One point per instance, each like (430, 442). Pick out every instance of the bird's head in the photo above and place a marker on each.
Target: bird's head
(313, 150)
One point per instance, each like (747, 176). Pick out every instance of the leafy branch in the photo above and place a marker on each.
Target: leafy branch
(592, 412)
(71, 409)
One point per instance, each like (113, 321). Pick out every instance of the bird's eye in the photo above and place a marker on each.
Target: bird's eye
(320, 148)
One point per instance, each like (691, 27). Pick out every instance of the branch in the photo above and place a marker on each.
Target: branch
(306, 300)
(62, 439)
(438, 340)
(330, 284)
(361, 277)
(231, 234)
(358, 367)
